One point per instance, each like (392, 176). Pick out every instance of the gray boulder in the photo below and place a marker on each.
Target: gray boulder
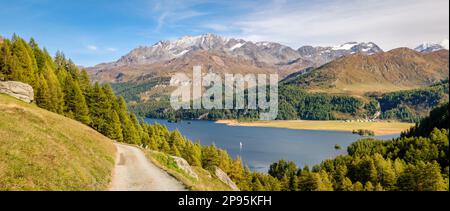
(225, 179)
(18, 90)
(184, 165)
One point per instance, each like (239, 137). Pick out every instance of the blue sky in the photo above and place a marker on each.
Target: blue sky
(95, 31)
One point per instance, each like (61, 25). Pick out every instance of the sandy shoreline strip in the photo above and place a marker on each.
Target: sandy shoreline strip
(380, 128)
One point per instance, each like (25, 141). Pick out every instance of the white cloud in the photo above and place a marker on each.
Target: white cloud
(111, 49)
(389, 23)
(92, 47)
(100, 50)
(172, 11)
(217, 27)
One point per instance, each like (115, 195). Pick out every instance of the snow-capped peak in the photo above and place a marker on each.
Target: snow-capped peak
(356, 47)
(428, 47)
(345, 46)
(186, 41)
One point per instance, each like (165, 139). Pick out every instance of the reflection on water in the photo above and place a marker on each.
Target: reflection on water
(264, 146)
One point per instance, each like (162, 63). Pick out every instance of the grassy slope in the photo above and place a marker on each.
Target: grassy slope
(380, 128)
(40, 150)
(396, 70)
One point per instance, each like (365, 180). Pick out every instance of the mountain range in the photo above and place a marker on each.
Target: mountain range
(352, 68)
(218, 54)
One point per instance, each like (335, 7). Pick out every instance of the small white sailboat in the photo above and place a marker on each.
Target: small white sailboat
(241, 146)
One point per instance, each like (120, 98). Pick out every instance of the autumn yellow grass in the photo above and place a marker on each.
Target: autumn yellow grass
(40, 150)
(379, 127)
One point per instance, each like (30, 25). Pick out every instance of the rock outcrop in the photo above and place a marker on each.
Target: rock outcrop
(225, 179)
(184, 165)
(18, 90)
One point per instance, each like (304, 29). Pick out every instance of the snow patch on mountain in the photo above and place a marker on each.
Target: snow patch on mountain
(346, 46)
(182, 53)
(239, 45)
(428, 47)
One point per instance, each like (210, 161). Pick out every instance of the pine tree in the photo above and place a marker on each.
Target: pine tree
(116, 133)
(129, 132)
(138, 129)
(175, 151)
(422, 177)
(23, 65)
(236, 172)
(192, 154)
(378, 187)
(358, 186)
(386, 173)
(210, 157)
(257, 186)
(346, 184)
(293, 183)
(75, 103)
(368, 186)
(6, 60)
(42, 93)
(57, 95)
(54, 100)
(85, 82)
(97, 109)
(153, 145)
(165, 147)
(326, 184)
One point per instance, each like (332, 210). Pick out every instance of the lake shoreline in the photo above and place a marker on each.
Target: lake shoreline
(259, 147)
(379, 128)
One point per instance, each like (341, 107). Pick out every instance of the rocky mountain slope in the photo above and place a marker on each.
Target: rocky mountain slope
(323, 55)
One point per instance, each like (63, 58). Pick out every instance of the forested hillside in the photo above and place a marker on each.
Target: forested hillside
(409, 163)
(62, 88)
(412, 105)
(297, 103)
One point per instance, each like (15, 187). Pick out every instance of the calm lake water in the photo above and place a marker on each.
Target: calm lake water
(264, 146)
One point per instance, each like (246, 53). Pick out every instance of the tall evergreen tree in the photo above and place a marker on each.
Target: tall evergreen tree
(6, 60)
(54, 100)
(42, 96)
(23, 64)
(75, 103)
(116, 133)
(130, 135)
(85, 82)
